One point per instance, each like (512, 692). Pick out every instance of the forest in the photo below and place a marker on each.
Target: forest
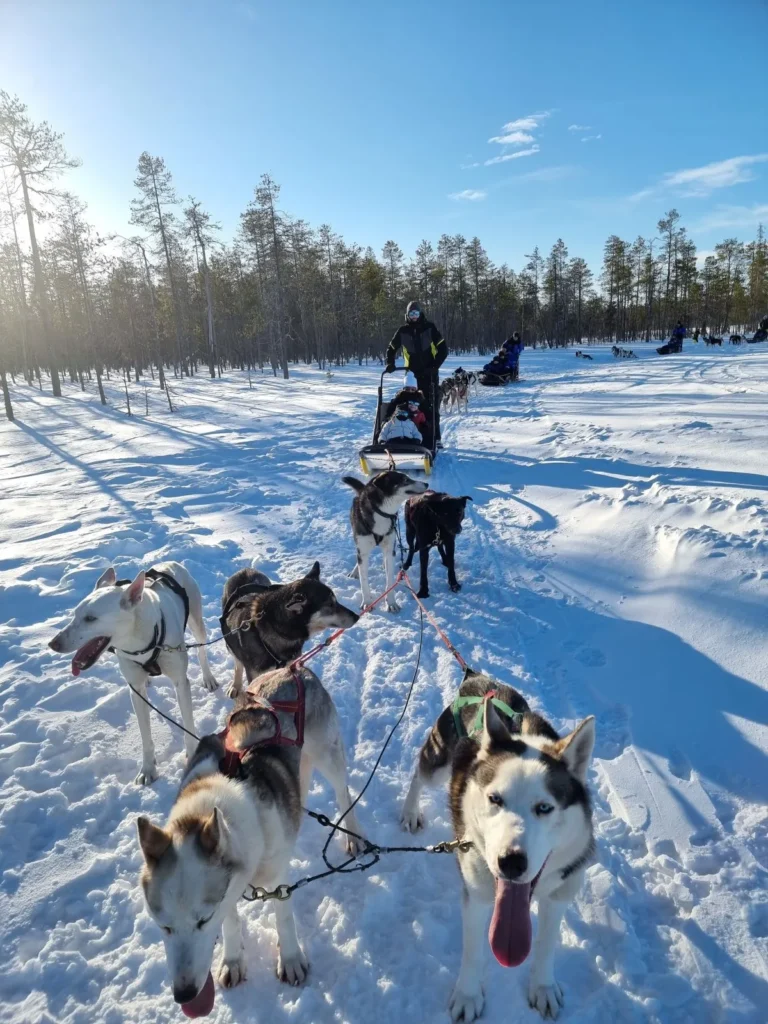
(176, 298)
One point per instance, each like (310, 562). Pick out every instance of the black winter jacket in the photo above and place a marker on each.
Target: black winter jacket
(423, 346)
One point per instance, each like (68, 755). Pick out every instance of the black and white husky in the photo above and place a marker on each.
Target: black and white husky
(267, 624)
(225, 833)
(373, 515)
(143, 621)
(518, 795)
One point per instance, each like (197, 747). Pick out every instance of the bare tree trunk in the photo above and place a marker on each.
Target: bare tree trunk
(6, 396)
(42, 297)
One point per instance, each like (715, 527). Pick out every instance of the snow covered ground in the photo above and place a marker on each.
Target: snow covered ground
(615, 561)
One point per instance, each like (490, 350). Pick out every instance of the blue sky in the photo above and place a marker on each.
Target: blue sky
(376, 117)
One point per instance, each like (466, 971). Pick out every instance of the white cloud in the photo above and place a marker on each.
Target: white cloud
(591, 138)
(702, 181)
(734, 217)
(528, 122)
(512, 156)
(467, 167)
(512, 139)
(470, 194)
(579, 127)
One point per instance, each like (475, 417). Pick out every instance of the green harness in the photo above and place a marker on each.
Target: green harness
(477, 725)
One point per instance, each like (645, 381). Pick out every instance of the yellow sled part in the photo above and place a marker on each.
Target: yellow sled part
(364, 465)
(427, 467)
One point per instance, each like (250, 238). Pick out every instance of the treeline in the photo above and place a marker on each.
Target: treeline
(176, 298)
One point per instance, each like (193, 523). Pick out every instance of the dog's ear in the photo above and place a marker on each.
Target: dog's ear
(154, 841)
(296, 604)
(575, 749)
(465, 498)
(314, 572)
(494, 730)
(107, 579)
(134, 593)
(215, 839)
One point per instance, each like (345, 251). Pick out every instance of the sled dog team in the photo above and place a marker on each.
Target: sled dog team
(518, 795)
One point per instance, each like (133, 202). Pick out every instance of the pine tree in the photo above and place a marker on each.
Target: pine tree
(155, 184)
(35, 156)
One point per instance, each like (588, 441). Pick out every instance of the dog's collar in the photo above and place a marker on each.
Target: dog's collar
(477, 725)
(231, 764)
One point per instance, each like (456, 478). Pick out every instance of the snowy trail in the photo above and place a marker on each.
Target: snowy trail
(615, 561)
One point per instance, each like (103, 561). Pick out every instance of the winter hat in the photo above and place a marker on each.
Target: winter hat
(410, 380)
(413, 306)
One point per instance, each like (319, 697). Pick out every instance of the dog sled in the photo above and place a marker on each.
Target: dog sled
(397, 453)
(497, 380)
(672, 346)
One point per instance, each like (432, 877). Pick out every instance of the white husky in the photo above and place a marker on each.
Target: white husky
(225, 833)
(518, 795)
(140, 620)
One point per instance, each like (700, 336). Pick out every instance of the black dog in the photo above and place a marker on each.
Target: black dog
(434, 519)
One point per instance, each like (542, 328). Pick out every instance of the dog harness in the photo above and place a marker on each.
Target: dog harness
(385, 515)
(157, 642)
(231, 764)
(477, 725)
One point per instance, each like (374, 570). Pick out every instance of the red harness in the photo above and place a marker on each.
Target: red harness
(231, 764)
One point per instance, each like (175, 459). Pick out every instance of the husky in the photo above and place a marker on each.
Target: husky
(143, 622)
(373, 516)
(434, 519)
(226, 833)
(267, 624)
(518, 796)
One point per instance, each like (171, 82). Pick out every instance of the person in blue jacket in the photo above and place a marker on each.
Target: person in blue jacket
(679, 332)
(506, 363)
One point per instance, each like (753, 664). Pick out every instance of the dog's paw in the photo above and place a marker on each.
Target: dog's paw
(233, 691)
(422, 592)
(547, 999)
(393, 607)
(232, 972)
(411, 820)
(455, 586)
(354, 846)
(209, 682)
(466, 1006)
(147, 775)
(292, 970)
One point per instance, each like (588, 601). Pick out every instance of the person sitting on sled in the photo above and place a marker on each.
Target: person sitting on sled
(411, 395)
(506, 362)
(400, 427)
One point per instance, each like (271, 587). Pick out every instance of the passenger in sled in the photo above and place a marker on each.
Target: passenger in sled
(411, 396)
(506, 363)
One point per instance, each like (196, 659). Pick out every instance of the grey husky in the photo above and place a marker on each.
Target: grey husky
(225, 833)
(518, 795)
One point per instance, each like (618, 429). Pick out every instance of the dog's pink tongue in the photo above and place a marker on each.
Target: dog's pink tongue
(202, 1004)
(510, 932)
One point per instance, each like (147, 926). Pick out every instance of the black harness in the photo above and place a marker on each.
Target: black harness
(156, 644)
(243, 591)
(384, 515)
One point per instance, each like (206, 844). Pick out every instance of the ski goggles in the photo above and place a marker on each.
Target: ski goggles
(414, 314)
